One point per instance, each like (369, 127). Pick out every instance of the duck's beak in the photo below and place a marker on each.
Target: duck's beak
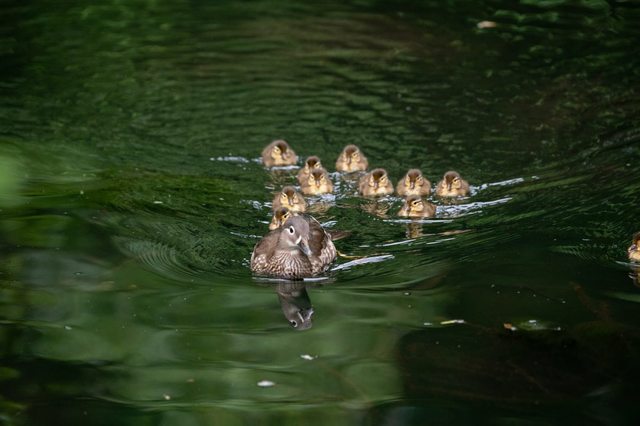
(303, 243)
(412, 184)
(449, 186)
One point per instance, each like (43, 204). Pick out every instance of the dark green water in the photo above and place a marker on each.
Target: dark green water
(130, 202)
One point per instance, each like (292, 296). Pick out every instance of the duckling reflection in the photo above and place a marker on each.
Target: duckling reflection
(295, 304)
(413, 183)
(351, 159)
(634, 250)
(317, 183)
(311, 163)
(414, 230)
(376, 183)
(452, 185)
(278, 153)
(376, 208)
(291, 199)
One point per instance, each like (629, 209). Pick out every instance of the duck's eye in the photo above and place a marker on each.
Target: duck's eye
(285, 216)
(419, 179)
(293, 323)
(322, 179)
(355, 155)
(383, 178)
(415, 203)
(317, 165)
(456, 180)
(291, 230)
(276, 149)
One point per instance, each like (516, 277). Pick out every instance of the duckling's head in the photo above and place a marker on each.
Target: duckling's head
(415, 204)
(413, 179)
(280, 216)
(378, 178)
(318, 178)
(312, 163)
(294, 235)
(280, 150)
(452, 180)
(635, 243)
(351, 154)
(289, 196)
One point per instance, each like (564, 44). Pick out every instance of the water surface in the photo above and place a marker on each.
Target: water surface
(131, 198)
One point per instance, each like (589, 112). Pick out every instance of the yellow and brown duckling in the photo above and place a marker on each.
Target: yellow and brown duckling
(290, 198)
(278, 153)
(351, 159)
(415, 206)
(311, 163)
(280, 216)
(634, 249)
(452, 185)
(413, 183)
(375, 183)
(317, 183)
(299, 248)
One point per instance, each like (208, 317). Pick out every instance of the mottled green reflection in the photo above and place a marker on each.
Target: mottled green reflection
(131, 198)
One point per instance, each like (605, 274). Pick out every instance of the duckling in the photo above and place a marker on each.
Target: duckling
(311, 163)
(290, 198)
(300, 248)
(452, 185)
(317, 183)
(415, 206)
(634, 249)
(278, 153)
(280, 216)
(351, 159)
(413, 183)
(375, 183)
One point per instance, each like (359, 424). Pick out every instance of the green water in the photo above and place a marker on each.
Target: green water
(131, 198)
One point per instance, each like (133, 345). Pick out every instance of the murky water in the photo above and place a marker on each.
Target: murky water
(131, 198)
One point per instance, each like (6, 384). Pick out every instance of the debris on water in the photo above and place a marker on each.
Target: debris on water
(68, 327)
(407, 293)
(167, 397)
(308, 357)
(486, 24)
(266, 383)
(157, 202)
(453, 321)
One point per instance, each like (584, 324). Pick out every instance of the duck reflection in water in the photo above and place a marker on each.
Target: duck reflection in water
(295, 304)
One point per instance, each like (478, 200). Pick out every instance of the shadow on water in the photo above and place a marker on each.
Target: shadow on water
(131, 198)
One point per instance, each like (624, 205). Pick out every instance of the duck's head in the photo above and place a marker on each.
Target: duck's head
(280, 216)
(290, 197)
(413, 179)
(312, 163)
(318, 178)
(280, 151)
(452, 180)
(378, 178)
(415, 204)
(294, 235)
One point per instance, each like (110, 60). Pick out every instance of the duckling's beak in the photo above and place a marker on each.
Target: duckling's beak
(633, 247)
(412, 184)
(449, 185)
(290, 198)
(303, 243)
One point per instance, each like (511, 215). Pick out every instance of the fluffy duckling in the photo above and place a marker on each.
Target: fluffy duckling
(311, 163)
(634, 249)
(278, 153)
(351, 159)
(413, 183)
(300, 248)
(290, 198)
(280, 216)
(317, 183)
(375, 183)
(415, 206)
(452, 185)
